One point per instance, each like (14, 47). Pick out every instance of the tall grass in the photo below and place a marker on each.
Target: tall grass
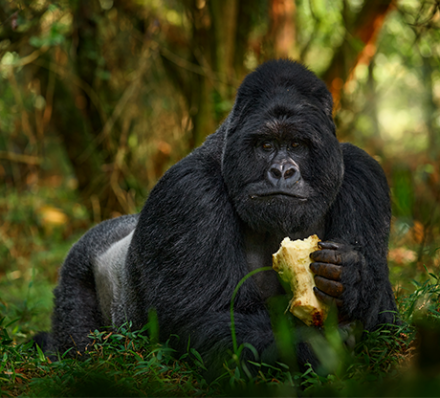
(133, 363)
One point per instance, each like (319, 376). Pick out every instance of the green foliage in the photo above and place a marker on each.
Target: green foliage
(117, 77)
(129, 363)
(321, 30)
(56, 34)
(35, 237)
(120, 363)
(231, 310)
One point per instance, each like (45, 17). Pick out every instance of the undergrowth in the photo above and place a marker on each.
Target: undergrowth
(403, 360)
(130, 363)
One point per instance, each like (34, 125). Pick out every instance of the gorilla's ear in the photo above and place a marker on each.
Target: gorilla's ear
(238, 112)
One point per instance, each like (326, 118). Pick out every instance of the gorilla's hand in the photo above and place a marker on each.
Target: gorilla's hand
(333, 260)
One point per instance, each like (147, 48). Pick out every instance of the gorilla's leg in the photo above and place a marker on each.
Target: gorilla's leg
(78, 309)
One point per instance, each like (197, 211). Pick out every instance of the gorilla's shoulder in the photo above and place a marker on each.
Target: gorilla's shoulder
(193, 186)
(359, 163)
(212, 148)
(182, 209)
(364, 182)
(201, 166)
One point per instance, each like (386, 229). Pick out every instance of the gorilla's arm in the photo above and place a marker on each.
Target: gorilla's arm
(352, 266)
(187, 257)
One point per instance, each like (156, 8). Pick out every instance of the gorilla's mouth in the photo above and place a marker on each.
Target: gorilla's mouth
(278, 194)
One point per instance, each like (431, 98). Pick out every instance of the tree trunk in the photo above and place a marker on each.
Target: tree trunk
(207, 76)
(430, 108)
(280, 39)
(91, 151)
(361, 39)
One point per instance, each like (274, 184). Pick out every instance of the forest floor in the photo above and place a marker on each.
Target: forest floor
(35, 237)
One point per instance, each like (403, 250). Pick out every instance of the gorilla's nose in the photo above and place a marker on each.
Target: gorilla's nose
(283, 173)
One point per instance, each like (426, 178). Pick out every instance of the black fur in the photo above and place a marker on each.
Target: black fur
(213, 217)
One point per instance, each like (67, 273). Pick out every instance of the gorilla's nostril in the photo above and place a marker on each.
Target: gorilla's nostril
(275, 173)
(289, 173)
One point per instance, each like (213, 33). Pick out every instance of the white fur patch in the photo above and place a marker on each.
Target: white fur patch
(108, 271)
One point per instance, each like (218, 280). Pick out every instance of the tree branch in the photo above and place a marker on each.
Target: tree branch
(367, 25)
(19, 158)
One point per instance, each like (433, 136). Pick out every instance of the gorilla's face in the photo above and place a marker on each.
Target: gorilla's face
(282, 163)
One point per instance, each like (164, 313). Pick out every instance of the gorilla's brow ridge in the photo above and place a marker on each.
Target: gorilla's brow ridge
(283, 112)
(281, 123)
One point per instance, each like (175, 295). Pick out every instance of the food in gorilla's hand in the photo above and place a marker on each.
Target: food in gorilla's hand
(292, 262)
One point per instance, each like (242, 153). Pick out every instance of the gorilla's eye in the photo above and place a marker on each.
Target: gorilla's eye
(267, 146)
(295, 144)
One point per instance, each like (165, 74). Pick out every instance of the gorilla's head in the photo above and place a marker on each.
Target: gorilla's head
(282, 163)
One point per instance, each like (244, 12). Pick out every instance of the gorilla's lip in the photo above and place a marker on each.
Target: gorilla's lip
(278, 193)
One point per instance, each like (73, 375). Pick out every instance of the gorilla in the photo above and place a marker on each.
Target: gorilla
(273, 169)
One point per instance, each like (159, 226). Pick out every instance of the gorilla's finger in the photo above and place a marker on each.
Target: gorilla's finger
(326, 256)
(329, 245)
(332, 288)
(325, 298)
(329, 271)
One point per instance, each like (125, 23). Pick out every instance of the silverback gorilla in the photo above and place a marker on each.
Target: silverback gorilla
(273, 169)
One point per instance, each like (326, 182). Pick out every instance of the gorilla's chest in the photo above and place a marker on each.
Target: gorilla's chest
(259, 248)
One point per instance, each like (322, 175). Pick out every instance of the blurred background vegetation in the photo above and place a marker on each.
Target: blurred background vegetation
(99, 98)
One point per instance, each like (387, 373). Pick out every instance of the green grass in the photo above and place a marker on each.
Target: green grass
(398, 361)
(129, 363)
